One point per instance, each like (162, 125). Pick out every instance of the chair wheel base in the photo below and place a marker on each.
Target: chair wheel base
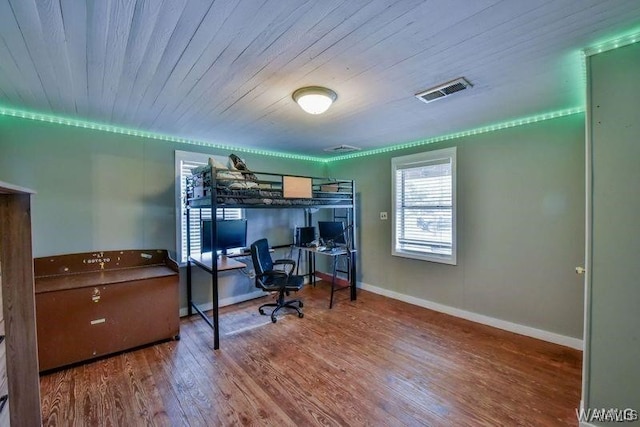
(293, 304)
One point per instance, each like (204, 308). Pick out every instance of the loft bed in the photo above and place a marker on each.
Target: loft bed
(210, 186)
(217, 185)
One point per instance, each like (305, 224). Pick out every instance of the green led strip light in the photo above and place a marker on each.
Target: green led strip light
(144, 134)
(476, 131)
(614, 43)
(611, 44)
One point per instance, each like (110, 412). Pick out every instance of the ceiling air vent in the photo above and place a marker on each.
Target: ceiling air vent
(341, 149)
(443, 90)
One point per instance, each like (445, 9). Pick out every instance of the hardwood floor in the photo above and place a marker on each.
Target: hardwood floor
(375, 361)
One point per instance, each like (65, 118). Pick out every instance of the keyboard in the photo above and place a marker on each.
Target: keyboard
(330, 250)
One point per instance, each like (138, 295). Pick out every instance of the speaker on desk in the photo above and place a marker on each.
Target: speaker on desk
(304, 236)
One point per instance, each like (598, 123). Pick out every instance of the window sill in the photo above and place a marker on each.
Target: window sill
(440, 259)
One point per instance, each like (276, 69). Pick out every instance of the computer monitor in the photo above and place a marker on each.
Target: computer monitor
(231, 234)
(331, 232)
(304, 236)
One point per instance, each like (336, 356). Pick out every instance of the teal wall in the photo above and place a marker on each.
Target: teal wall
(105, 191)
(520, 225)
(612, 371)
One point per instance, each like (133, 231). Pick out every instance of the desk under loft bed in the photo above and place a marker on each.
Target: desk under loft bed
(212, 188)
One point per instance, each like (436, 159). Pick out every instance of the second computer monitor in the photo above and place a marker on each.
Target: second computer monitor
(331, 231)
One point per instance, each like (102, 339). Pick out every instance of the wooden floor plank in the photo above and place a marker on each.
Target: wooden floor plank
(233, 403)
(162, 361)
(374, 361)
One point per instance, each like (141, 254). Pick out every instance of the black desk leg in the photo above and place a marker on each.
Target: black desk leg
(352, 261)
(333, 279)
(216, 325)
(189, 309)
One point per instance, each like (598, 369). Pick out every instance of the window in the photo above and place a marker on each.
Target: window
(424, 209)
(185, 161)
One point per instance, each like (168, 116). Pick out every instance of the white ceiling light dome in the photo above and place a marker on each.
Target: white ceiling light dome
(314, 99)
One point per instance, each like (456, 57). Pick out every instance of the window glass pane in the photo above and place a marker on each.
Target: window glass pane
(424, 214)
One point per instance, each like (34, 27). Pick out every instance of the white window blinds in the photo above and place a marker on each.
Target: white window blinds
(424, 206)
(186, 161)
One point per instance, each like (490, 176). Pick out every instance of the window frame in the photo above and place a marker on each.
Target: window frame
(180, 190)
(416, 161)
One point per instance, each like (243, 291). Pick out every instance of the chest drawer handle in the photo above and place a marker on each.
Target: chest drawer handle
(3, 401)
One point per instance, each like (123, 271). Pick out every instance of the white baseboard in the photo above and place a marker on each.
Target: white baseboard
(227, 301)
(478, 318)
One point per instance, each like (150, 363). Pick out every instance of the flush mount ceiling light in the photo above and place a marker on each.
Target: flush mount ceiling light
(314, 99)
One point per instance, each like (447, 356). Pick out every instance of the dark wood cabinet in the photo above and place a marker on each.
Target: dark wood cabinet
(90, 305)
(20, 388)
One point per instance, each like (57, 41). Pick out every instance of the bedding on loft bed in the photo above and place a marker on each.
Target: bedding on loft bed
(236, 186)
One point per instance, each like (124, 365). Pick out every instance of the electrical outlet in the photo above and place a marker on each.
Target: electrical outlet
(383, 215)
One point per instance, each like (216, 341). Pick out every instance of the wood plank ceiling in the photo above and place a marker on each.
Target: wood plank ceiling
(223, 71)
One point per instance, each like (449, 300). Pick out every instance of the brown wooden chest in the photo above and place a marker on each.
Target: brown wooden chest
(94, 304)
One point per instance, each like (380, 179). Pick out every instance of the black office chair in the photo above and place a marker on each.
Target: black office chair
(271, 280)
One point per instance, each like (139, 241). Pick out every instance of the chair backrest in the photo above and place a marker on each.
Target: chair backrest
(261, 257)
